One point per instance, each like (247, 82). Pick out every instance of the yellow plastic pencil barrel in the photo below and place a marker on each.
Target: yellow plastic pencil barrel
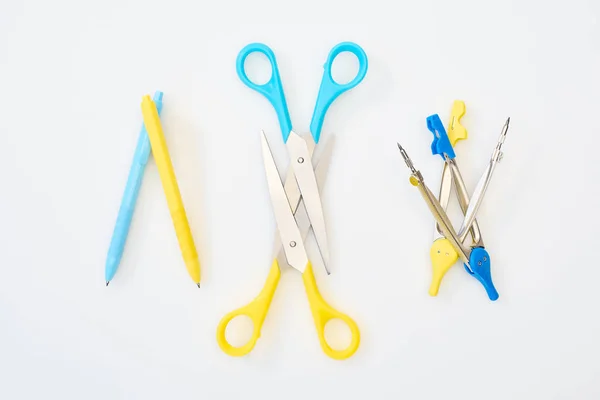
(170, 187)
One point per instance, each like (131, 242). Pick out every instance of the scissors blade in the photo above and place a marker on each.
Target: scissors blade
(290, 185)
(293, 245)
(307, 183)
(321, 169)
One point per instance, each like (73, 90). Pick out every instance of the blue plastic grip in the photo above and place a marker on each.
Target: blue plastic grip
(272, 90)
(132, 189)
(330, 89)
(480, 269)
(441, 143)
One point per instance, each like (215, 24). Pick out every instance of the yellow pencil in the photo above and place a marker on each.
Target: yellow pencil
(170, 187)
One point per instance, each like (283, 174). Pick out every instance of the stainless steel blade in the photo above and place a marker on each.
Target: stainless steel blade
(300, 162)
(321, 169)
(290, 185)
(293, 245)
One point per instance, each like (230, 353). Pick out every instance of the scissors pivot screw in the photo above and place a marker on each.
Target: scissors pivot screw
(300, 160)
(292, 244)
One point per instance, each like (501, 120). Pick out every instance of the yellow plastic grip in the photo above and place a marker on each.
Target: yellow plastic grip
(443, 257)
(256, 311)
(455, 130)
(323, 313)
(170, 187)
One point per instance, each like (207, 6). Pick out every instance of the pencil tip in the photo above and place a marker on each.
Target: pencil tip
(107, 282)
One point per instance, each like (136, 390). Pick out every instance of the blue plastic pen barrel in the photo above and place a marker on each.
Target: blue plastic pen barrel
(132, 189)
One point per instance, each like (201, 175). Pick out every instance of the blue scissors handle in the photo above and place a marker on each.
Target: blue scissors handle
(330, 89)
(272, 90)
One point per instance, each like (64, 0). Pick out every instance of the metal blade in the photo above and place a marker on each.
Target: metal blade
(293, 245)
(307, 182)
(321, 169)
(290, 185)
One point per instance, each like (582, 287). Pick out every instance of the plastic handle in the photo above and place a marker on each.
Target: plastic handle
(272, 90)
(330, 89)
(132, 190)
(480, 269)
(171, 188)
(441, 143)
(443, 257)
(323, 313)
(456, 131)
(256, 311)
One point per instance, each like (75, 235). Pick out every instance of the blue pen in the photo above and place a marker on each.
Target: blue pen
(134, 181)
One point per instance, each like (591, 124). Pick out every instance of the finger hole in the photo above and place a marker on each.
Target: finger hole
(239, 330)
(258, 68)
(337, 334)
(344, 68)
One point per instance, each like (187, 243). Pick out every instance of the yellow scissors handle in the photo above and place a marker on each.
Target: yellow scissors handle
(258, 308)
(443, 257)
(256, 311)
(323, 313)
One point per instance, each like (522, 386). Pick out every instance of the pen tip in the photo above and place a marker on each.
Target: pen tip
(198, 284)
(107, 282)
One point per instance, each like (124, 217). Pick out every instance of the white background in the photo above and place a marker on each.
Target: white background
(72, 75)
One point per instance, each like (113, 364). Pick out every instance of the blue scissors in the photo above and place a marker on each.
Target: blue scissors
(328, 92)
(294, 219)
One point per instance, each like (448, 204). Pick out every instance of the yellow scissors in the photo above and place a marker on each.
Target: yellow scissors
(296, 204)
